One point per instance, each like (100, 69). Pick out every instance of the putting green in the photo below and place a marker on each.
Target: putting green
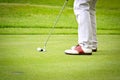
(19, 59)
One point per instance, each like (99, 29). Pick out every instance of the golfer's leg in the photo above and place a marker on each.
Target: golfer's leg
(93, 23)
(81, 10)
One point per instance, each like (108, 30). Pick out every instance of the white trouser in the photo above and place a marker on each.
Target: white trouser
(85, 15)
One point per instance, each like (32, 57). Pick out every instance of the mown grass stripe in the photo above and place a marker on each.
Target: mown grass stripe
(45, 31)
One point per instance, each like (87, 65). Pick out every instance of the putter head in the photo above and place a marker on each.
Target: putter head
(41, 50)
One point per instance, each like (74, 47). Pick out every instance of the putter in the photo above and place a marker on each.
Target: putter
(50, 33)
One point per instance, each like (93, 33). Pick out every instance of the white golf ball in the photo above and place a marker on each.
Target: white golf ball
(40, 50)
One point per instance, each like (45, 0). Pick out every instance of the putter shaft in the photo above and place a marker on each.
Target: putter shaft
(57, 18)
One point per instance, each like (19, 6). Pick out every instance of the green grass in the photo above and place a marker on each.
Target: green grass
(24, 25)
(39, 2)
(19, 59)
(41, 14)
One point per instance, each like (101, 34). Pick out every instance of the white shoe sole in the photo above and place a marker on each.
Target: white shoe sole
(74, 52)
